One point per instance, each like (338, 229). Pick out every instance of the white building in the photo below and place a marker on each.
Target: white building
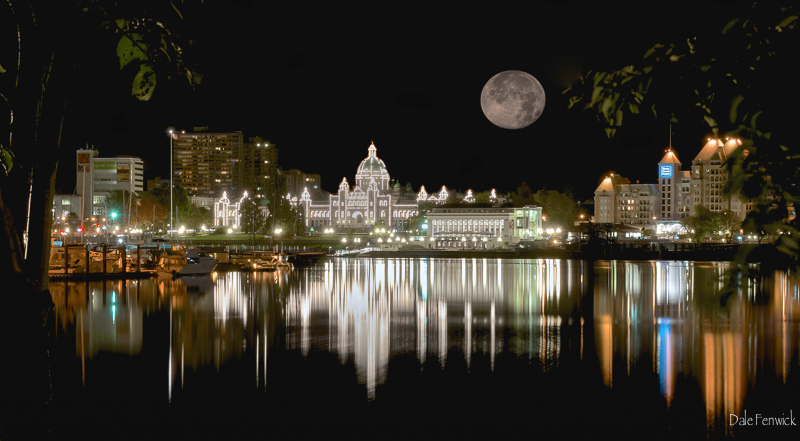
(98, 177)
(473, 227)
(372, 200)
(228, 213)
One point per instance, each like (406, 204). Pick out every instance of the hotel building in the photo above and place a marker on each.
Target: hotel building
(676, 194)
(709, 176)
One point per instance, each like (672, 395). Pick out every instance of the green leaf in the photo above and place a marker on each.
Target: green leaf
(729, 25)
(144, 83)
(753, 119)
(6, 159)
(1, 69)
(734, 105)
(127, 51)
(786, 21)
(652, 49)
(599, 77)
(711, 122)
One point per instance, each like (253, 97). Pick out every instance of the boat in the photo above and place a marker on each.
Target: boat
(264, 265)
(59, 264)
(281, 261)
(192, 262)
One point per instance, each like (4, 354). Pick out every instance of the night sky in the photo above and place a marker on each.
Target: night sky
(322, 87)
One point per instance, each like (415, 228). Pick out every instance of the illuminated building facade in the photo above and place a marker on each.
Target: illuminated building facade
(676, 195)
(482, 227)
(372, 200)
(228, 213)
(709, 177)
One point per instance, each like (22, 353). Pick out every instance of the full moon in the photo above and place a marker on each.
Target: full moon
(512, 99)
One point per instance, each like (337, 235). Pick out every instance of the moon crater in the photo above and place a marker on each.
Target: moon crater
(512, 99)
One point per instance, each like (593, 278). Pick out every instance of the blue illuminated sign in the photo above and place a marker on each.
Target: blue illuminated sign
(666, 171)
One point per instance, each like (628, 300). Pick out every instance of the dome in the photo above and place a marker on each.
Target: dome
(371, 167)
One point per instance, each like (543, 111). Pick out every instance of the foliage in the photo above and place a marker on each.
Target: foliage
(54, 45)
(723, 75)
(523, 195)
(73, 220)
(701, 224)
(253, 219)
(285, 217)
(558, 208)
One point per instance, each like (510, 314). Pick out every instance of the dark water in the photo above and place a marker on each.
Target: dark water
(429, 348)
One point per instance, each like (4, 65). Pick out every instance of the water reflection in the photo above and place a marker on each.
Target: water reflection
(664, 318)
(367, 311)
(667, 316)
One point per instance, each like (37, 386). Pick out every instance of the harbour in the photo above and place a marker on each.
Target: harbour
(629, 348)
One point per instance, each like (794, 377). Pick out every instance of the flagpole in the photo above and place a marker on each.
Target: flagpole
(171, 137)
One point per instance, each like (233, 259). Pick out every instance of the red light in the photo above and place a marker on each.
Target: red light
(80, 229)
(63, 233)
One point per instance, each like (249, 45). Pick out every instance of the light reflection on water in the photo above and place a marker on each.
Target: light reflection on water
(662, 317)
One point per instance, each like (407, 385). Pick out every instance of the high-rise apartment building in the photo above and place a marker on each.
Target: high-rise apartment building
(258, 168)
(297, 181)
(206, 163)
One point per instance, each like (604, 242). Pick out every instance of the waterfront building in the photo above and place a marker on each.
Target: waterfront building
(709, 176)
(477, 227)
(228, 213)
(617, 200)
(673, 184)
(676, 195)
(370, 201)
(97, 177)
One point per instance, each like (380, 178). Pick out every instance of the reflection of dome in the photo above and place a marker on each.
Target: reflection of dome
(372, 167)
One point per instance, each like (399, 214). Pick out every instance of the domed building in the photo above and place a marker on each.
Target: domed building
(371, 168)
(373, 199)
